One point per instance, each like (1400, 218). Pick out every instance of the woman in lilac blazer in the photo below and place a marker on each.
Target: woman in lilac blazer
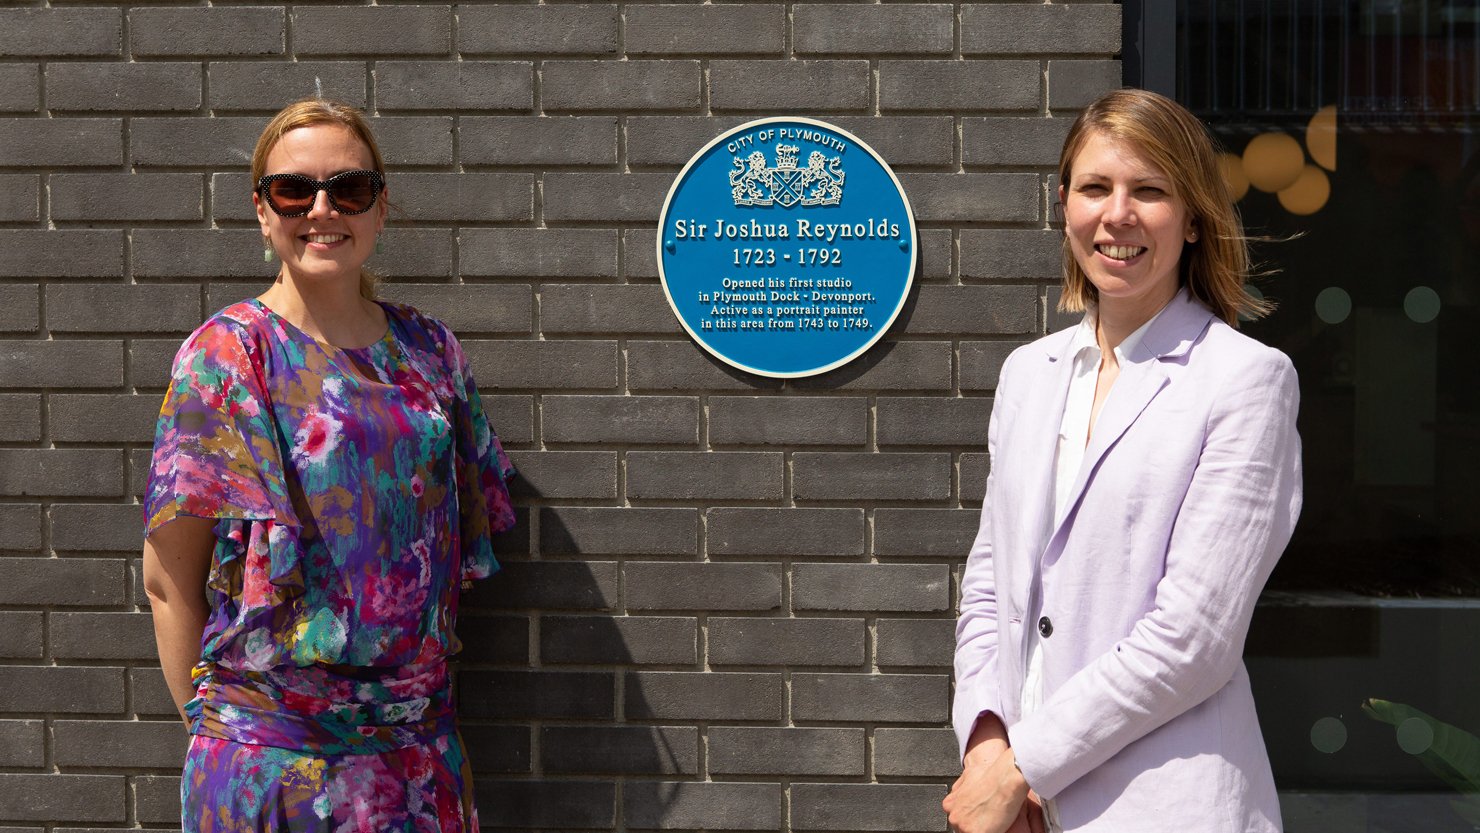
(1145, 478)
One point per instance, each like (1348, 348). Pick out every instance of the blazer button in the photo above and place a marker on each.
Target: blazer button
(1045, 627)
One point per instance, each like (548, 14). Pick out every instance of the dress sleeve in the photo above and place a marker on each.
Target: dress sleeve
(215, 455)
(483, 470)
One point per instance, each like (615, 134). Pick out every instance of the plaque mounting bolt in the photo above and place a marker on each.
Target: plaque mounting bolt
(668, 244)
(904, 245)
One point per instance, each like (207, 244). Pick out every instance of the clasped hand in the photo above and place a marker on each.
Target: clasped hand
(991, 795)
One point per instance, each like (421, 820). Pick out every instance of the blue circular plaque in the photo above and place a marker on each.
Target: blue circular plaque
(786, 247)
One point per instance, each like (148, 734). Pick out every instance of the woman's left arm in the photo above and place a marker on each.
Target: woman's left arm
(1233, 524)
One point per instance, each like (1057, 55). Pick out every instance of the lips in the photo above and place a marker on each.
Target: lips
(1118, 252)
(325, 239)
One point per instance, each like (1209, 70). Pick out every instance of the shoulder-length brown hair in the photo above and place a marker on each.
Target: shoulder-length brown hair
(1216, 265)
(306, 113)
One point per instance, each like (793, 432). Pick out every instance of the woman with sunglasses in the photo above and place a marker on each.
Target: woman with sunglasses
(324, 483)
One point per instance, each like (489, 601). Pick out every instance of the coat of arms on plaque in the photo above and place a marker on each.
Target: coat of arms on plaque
(753, 182)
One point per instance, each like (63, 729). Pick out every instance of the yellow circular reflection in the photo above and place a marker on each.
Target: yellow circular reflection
(1308, 193)
(1320, 137)
(1233, 174)
(1273, 161)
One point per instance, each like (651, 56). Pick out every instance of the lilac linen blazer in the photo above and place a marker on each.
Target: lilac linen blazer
(1188, 493)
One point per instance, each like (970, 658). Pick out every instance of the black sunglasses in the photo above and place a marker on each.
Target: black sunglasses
(292, 195)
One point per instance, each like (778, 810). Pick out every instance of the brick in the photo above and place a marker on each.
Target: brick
(1011, 253)
(99, 196)
(582, 308)
(685, 695)
(1055, 318)
(772, 751)
(373, 30)
(60, 364)
(20, 198)
(974, 468)
(135, 86)
(691, 805)
(538, 140)
(981, 363)
(920, 643)
(871, 587)
(497, 640)
(470, 308)
(652, 585)
(932, 421)
(21, 742)
(20, 526)
(20, 638)
(151, 360)
(27, 797)
(788, 420)
(477, 198)
(157, 798)
(60, 690)
(1092, 28)
(19, 416)
(118, 743)
(412, 253)
(604, 197)
(827, 29)
(682, 365)
(905, 140)
(621, 419)
(220, 142)
(867, 807)
(878, 698)
(20, 309)
(539, 253)
(71, 253)
(1033, 142)
(76, 636)
(579, 530)
(995, 198)
(96, 527)
(914, 753)
(545, 365)
(1005, 310)
(20, 88)
(620, 750)
(891, 366)
(92, 308)
(247, 30)
(538, 30)
(566, 474)
(268, 85)
(698, 475)
(68, 472)
(60, 143)
(51, 33)
(709, 30)
(619, 640)
(956, 86)
(500, 749)
(512, 417)
(461, 85)
(671, 140)
(815, 532)
(148, 694)
(935, 251)
(869, 476)
(588, 695)
(550, 585)
(1075, 84)
(620, 85)
(778, 86)
(768, 641)
(560, 804)
(414, 140)
(924, 532)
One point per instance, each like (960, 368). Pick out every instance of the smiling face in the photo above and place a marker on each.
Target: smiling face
(323, 244)
(1126, 227)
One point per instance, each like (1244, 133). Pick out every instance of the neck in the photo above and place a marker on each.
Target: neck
(328, 310)
(1117, 318)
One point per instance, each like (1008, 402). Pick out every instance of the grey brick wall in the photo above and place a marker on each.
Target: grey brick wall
(728, 602)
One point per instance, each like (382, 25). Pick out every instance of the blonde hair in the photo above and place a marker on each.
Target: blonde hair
(306, 113)
(1215, 266)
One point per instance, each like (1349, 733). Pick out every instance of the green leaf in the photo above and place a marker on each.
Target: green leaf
(1454, 754)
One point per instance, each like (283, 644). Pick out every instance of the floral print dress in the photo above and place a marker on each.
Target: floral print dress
(355, 492)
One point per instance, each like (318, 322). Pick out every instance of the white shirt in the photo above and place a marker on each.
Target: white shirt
(1073, 438)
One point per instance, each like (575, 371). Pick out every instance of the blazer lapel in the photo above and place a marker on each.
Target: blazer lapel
(1044, 416)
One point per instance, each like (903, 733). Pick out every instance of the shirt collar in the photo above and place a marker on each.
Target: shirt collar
(1084, 334)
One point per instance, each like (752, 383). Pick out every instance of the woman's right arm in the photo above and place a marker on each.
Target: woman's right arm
(177, 557)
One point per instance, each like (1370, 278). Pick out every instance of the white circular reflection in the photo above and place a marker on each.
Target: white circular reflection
(1253, 293)
(1415, 736)
(1328, 735)
(1421, 304)
(1333, 305)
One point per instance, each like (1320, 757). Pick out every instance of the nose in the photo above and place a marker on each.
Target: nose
(322, 208)
(1119, 209)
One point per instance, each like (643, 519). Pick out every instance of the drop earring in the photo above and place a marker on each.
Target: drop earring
(379, 244)
(267, 251)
